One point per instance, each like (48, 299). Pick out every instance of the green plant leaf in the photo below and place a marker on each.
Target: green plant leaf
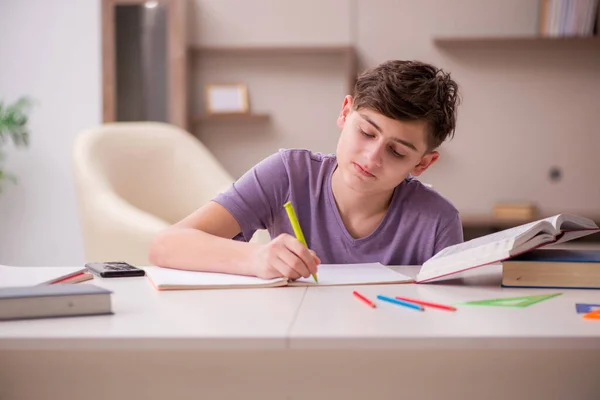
(6, 177)
(13, 122)
(13, 126)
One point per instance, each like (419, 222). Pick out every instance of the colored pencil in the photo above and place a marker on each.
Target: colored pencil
(401, 303)
(592, 315)
(364, 299)
(427, 304)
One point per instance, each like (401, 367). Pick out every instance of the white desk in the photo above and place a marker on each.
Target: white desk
(296, 343)
(147, 319)
(349, 324)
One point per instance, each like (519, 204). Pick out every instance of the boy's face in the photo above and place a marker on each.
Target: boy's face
(375, 153)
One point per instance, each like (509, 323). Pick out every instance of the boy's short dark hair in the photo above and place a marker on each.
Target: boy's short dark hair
(411, 91)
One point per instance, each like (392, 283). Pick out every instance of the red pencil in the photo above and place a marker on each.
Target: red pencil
(68, 278)
(424, 303)
(363, 298)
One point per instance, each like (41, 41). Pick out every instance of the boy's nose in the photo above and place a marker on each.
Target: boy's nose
(374, 155)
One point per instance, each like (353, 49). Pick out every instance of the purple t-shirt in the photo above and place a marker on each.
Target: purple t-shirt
(418, 223)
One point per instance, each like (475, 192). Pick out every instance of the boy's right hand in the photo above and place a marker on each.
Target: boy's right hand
(284, 256)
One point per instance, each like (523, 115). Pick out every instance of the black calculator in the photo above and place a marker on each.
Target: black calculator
(114, 269)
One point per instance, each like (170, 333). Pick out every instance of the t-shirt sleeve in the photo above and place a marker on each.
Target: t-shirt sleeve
(254, 197)
(450, 234)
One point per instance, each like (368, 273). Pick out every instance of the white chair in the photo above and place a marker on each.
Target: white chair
(134, 179)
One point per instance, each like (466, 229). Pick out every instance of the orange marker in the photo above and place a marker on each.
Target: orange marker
(424, 303)
(363, 298)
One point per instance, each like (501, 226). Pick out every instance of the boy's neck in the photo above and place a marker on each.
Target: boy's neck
(352, 204)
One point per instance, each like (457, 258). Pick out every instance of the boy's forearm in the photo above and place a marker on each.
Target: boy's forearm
(192, 249)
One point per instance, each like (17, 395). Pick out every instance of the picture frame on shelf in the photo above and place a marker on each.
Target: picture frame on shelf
(226, 99)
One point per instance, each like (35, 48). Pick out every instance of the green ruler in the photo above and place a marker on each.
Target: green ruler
(519, 302)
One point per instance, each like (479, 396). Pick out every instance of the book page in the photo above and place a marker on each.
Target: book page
(572, 235)
(168, 278)
(31, 276)
(507, 236)
(573, 222)
(353, 274)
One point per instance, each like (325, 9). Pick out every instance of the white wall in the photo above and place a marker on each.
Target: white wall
(49, 50)
(272, 22)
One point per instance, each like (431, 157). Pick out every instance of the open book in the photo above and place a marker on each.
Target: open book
(505, 244)
(328, 274)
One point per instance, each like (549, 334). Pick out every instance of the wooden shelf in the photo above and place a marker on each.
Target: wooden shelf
(347, 54)
(273, 50)
(484, 221)
(232, 117)
(499, 41)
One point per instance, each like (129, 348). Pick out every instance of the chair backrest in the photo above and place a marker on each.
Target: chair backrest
(155, 167)
(135, 178)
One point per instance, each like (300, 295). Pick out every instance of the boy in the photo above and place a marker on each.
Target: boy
(360, 205)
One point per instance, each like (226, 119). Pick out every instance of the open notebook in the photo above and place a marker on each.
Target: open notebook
(328, 274)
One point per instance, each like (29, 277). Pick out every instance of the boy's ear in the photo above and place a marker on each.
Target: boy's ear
(346, 109)
(426, 161)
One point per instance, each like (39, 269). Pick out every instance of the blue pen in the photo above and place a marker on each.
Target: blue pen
(402, 303)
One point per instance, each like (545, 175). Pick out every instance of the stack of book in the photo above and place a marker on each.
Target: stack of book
(519, 250)
(568, 17)
(553, 268)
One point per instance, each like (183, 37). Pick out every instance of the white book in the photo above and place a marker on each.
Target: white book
(44, 301)
(328, 275)
(505, 244)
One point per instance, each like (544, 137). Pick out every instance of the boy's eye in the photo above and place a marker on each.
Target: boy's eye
(396, 154)
(367, 134)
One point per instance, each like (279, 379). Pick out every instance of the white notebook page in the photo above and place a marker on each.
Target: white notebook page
(353, 274)
(175, 277)
(328, 275)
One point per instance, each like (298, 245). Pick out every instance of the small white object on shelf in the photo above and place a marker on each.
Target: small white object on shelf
(227, 99)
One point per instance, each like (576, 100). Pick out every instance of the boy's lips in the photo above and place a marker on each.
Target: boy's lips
(363, 170)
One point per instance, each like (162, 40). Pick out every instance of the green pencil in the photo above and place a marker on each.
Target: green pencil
(289, 208)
